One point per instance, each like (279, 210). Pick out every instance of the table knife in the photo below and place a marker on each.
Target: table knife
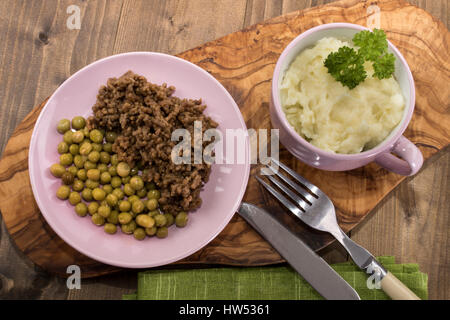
(327, 282)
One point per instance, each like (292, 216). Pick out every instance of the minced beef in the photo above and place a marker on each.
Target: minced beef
(145, 115)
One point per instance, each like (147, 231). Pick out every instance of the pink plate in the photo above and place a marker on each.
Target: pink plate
(221, 195)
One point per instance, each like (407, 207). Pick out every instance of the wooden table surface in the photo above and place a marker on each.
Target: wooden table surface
(39, 52)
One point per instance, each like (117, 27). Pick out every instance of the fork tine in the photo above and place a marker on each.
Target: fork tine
(295, 186)
(288, 204)
(298, 177)
(303, 205)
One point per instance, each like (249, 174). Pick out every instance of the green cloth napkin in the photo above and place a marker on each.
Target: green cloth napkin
(264, 283)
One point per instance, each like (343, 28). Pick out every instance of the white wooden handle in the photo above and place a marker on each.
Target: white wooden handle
(395, 289)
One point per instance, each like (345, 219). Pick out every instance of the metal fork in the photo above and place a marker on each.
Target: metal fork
(314, 208)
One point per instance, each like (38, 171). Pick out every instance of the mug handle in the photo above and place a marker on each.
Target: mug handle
(411, 155)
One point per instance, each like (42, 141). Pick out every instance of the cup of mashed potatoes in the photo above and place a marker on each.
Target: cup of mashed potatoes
(331, 127)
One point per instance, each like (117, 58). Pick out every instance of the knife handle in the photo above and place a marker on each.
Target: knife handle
(395, 289)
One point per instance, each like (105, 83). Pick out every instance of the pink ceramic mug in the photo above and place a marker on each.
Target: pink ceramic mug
(395, 143)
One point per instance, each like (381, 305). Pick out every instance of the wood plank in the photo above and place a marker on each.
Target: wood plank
(175, 26)
(413, 224)
(20, 272)
(38, 53)
(243, 62)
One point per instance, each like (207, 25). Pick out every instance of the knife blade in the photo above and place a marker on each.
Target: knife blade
(328, 283)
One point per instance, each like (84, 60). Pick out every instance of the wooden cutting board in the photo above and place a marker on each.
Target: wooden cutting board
(243, 62)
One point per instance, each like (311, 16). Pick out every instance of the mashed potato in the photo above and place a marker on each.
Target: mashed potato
(333, 117)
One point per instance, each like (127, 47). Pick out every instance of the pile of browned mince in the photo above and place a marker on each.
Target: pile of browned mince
(145, 115)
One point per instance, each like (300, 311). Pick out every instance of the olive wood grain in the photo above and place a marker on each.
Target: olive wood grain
(243, 62)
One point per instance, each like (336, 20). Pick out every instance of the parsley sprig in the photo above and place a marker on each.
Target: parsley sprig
(347, 65)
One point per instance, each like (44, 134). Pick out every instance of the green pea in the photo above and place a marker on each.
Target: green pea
(105, 157)
(78, 185)
(139, 234)
(85, 131)
(181, 219)
(126, 180)
(63, 147)
(110, 228)
(118, 193)
(107, 147)
(77, 136)
(74, 149)
(97, 147)
(123, 169)
(85, 148)
(116, 182)
(133, 198)
(102, 167)
(73, 170)
(154, 194)
(67, 178)
(112, 170)
(153, 213)
(113, 217)
(152, 204)
(111, 200)
(96, 136)
(145, 221)
(162, 232)
(99, 194)
(78, 161)
(81, 209)
(91, 184)
(86, 194)
(63, 192)
(98, 219)
(104, 211)
(125, 217)
(63, 126)
(78, 122)
(93, 174)
(134, 171)
(94, 156)
(129, 191)
(108, 188)
(89, 165)
(160, 220)
(82, 175)
(114, 160)
(137, 206)
(105, 178)
(137, 183)
(151, 231)
(74, 198)
(170, 219)
(124, 206)
(93, 207)
(129, 227)
(66, 159)
(57, 170)
(111, 136)
(141, 193)
(67, 137)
